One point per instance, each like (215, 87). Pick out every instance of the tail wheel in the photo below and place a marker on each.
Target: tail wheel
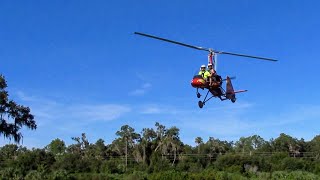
(200, 103)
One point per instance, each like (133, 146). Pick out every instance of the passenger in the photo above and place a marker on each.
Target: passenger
(204, 73)
(212, 73)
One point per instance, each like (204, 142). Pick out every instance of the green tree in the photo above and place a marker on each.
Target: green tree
(168, 141)
(13, 116)
(250, 144)
(128, 136)
(80, 146)
(56, 147)
(314, 146)
(199, 142)
(146, 142)
(173, 143)
(286, 143)
(244, 144)
(215, 147)
(160, 139)
(100, 149)
(35, 159)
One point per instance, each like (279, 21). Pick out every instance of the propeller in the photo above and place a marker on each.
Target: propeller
(204, 49)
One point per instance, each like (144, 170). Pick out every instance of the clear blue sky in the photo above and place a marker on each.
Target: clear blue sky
(80, 68)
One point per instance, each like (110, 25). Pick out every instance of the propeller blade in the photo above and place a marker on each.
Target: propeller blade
(174, 42)
(243, 55)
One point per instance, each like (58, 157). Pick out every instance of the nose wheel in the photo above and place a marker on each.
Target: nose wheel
(200, 103)
(198, 94)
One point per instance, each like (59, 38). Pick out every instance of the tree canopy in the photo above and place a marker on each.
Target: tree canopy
(159, 153)
(12, 115)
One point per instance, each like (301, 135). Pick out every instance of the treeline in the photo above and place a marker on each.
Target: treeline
(158, 153)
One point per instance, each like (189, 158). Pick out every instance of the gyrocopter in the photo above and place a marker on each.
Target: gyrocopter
(209, 78)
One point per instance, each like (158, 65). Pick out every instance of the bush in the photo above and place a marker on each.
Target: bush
(34, 175)
(10, 173)
(276, 159)
(159, 164)
(302, 175)
(228, 160)
(168, 175)
(294, 175)
(112, 166)
(59, 175)
(292, 164)
(136, 175)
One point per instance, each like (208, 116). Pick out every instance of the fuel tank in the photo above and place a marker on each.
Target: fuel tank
(198, 82)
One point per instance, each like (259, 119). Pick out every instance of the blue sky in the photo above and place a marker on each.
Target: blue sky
(80, 68)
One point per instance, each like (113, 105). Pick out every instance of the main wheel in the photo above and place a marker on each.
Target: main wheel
(200, 103)
(233, 100)
(198, 95)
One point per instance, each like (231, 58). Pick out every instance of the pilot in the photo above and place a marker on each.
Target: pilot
(204, 73)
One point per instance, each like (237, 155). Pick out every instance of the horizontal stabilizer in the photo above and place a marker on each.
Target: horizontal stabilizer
(240, 91)
(233, 77)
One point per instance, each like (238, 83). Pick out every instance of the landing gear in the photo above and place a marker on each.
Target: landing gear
(200, 103)
(198, 94)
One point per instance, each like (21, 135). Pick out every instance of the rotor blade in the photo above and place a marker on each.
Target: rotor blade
(174, 42)
(243, 55)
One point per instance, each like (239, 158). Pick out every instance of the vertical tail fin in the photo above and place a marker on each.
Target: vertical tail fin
(229, 86)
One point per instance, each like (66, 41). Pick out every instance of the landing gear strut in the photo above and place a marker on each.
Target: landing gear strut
(202, 103)
(198, 94)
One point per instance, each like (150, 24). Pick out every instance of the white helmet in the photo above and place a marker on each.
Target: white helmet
(203, 66)
(209, 64)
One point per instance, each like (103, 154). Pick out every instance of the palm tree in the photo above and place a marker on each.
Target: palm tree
(148, 135)
(198, 141)
(127, 135)
(173, 142)
(160, 132)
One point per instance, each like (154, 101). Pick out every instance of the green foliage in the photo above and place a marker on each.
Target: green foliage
(10, 173)
(276, 160)
(169, 175)
(159, 154)
(72, 163)
(113, 166)
(13, 116)
(136, 175)
(159, 163)
(37, 159)
(295, 175)
(292, 164)
(229, 160)
(34, 175)
(316, 167)
(59, 175)
(56, 147)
